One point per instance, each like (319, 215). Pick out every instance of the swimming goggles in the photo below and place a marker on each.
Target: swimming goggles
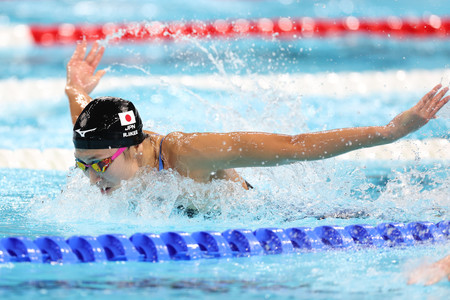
(99, 166)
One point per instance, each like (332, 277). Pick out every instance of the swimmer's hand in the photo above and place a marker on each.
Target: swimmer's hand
(419, 115)
(81, 79)
(431, 274)
(81, 68)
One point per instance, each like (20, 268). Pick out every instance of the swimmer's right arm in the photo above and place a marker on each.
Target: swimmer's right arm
(81, 77)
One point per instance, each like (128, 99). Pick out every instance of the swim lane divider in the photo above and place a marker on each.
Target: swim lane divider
(279, 27)
(282, 27)
(178, 245)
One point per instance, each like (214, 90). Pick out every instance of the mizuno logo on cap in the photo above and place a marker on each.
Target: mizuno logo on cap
(82, 133)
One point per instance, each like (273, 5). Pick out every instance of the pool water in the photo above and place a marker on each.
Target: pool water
(179, 86)
(367, 274)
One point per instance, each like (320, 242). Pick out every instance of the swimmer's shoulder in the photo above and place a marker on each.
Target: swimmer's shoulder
(171, 137)
(168, 142)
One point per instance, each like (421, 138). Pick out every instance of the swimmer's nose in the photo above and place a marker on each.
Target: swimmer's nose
(94, 177)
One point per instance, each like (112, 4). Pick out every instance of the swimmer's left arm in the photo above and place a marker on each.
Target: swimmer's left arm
(81, 76)
(207, 152)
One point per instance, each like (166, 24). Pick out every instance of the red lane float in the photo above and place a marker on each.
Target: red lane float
(433, 26)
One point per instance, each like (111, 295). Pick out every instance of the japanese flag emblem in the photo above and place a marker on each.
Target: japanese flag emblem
(127, 118)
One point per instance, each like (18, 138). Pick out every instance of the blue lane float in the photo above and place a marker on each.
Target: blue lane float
(274, 240)
(212, 244)
(396, 234)
(181, 245)
(55, 250)
(178, 245)
(304, 239)
(444, 227)
(87, 248)
(21, 249)
(151, 247)
(243, 242)
(334, 236)
(118, 247)
(425, 232)
(365, 235)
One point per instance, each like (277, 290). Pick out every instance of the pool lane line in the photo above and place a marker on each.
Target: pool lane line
(180, 245)
(282, 27)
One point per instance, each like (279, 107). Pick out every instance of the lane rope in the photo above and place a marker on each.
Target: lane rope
(284, 28)
(179, 245)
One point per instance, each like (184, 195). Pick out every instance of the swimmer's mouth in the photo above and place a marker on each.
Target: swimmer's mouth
(106, 190)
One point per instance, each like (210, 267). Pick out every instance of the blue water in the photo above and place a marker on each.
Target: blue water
(35, 202)
(68, 11)
(272, 277)
(304, 55)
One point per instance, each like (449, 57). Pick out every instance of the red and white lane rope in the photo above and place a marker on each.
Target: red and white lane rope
(287, 28)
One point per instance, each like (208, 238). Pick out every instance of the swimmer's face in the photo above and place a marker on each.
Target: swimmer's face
(122, 168)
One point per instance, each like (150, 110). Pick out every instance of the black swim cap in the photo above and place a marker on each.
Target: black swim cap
(108, 122)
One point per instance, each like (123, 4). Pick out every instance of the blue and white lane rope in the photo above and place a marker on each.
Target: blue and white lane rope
(177, 245)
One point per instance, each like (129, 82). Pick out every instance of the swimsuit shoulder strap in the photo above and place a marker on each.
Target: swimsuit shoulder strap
(160, 158)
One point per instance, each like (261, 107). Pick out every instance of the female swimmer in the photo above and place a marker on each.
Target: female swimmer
(110, 145)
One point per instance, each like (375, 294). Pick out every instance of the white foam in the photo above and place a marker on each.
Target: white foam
(337, 85)
(404, 150)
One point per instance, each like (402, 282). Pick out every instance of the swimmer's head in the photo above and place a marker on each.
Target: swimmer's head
(107, 123)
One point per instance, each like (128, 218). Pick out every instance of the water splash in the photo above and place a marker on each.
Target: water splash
(415, 194)
(283, 196)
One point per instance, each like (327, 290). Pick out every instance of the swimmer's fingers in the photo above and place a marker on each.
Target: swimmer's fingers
(91, 55)
(99, 75)
(80, 51)
(426, 278)
(98, 57)
(433, 105)
(437, 275)
(439, 105)
(433, 280)
(425, 275)
(429, 96)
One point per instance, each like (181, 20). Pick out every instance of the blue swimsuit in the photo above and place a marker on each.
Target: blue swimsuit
(160, 158)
